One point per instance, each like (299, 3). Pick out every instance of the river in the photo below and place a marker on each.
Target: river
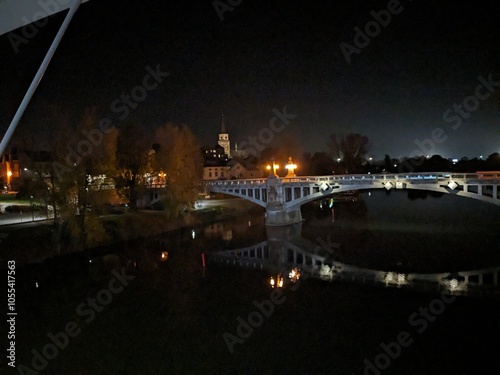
(200, 300)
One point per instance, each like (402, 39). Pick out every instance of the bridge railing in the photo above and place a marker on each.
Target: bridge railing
(156, 186)
(368, 178)
(259, 181)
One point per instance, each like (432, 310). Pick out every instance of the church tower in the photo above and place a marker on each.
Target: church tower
(224, 138)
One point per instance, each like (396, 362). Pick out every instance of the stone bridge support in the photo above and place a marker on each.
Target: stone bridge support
(276, 213)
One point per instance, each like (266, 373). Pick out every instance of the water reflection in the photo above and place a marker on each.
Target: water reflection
(287, 256)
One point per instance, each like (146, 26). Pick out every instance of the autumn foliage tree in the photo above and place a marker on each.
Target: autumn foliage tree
(68, 183)
(177, 155)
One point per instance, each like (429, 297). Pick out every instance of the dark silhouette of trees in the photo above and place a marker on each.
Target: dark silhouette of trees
(350, 149)
(322, 164)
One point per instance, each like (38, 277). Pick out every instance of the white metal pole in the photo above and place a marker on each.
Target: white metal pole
(38, 76)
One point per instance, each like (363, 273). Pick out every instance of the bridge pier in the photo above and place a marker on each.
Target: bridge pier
(276, 213)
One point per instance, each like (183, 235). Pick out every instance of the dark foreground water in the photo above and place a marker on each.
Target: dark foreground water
(150, 307)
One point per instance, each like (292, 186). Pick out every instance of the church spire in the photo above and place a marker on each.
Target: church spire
(224, 137)
(223, 128)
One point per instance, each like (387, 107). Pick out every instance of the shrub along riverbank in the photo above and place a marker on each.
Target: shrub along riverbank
(35, 244)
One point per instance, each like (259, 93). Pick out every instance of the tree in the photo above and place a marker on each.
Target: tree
(322, 164)
(493, 162)
(351, 149)
(177, 156)
(133, 162)
(70, 183)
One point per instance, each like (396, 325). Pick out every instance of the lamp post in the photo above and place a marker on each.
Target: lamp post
(273, 169)
(291, 168)
(9, 177)
(32, 210)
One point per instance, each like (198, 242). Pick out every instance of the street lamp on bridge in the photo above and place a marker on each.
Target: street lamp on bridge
(273, 169)
(291, 168)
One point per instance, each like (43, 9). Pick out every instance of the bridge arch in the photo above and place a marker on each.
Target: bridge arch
(342, 189)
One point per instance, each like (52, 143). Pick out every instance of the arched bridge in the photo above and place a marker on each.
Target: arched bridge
(282, 197)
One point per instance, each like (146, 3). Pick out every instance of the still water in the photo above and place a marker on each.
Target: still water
(386, 284)
(391, 238)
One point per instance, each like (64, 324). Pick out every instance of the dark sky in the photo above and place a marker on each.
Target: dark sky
(272, 54)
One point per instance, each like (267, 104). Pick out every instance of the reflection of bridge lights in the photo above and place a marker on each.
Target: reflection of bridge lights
(164, 256)
(193, 234)
(454, 285)
(294, 275)
(276, 283)
(394, 278)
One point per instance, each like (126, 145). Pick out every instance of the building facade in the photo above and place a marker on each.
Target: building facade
(10, 169)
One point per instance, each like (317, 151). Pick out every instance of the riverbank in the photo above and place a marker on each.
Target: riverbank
(34, 244)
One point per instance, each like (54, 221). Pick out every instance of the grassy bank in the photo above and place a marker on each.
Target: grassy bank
(35, 244)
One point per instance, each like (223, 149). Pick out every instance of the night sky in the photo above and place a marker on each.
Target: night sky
(272, 54)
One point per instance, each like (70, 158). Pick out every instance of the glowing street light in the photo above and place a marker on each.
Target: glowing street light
(274, 167)
(291, 168)
(9, 176)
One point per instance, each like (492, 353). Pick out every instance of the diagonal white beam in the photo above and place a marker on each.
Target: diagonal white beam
(18, 13)
(38, 77)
